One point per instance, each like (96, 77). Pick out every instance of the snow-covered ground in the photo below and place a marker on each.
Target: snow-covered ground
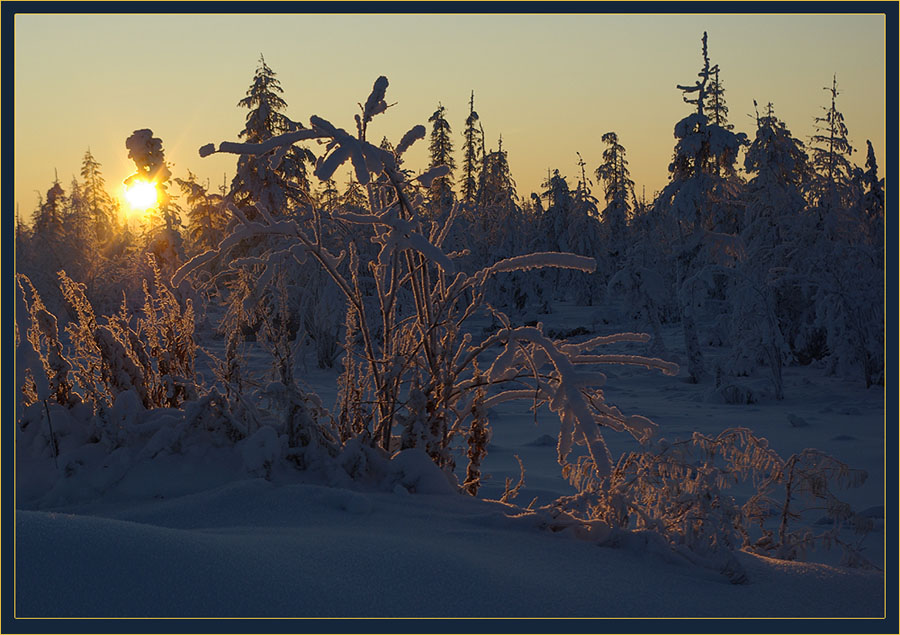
(195, 534)
(253, 548)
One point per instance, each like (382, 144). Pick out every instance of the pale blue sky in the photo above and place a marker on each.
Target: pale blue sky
(551, 84)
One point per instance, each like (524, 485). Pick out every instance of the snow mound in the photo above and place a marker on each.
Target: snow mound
(256, 549)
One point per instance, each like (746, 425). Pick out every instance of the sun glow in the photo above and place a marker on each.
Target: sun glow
(141, 195)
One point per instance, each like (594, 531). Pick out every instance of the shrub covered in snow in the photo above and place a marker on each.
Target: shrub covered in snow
(415, 360)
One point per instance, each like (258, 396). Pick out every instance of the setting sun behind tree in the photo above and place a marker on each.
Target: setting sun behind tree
(140, 195)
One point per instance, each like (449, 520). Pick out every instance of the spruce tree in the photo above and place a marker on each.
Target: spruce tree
(830, 156)
(873, 198)
(99, 203)
(48, 248)
(584, 238)
(617, 188)
(496, 186)
(329, 197)
(81, 250)
(23, 235)
(695, 200)
(779, 167)
(715, 101)
(553, 234)
(48, 219)
(497, 205)
(843, 267)
(441, 152)
(767, 302)
(354, 197)
(206, 213)
(717, 113)
(472, 158)
(279, 187)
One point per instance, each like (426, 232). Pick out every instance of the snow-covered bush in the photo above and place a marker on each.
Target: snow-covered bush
(410, 376)
(151, 355)
(678, 492)
(411, 372)
(43, 340)
(804, 482)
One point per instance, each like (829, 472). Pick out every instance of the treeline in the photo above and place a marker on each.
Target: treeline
(762, 244)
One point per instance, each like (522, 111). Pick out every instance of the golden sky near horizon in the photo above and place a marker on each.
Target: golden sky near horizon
(550, 84)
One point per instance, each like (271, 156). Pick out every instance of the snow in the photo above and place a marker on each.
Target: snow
(414, 134)
(252, 548)
(268, 145)
(204, 533)
(562, 260)
(428, 177)
(375, 104)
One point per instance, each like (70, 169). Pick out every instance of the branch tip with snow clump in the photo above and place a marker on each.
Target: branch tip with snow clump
(413, 135)
(375, 104)
(427, 178)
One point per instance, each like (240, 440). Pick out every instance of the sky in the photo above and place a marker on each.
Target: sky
(552, 85)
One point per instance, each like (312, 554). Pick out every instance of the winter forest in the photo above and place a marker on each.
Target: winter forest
(338, 385)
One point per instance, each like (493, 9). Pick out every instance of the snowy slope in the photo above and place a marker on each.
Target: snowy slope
(195, 534)
(256, 549)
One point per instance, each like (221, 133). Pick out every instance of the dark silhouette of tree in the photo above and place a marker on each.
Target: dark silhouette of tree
(830, 152)
(496, 186)
(473, 154)
(354, 197)
(441, 153)
(585, 238)
(768, 304)
(496, 210)
(698, 198)
(279, 185)
(162, 235)
(329, 197)
(715, 101)
(48, 217)
(206, 213)
(873, 198)
(98, 201)
(617, 188)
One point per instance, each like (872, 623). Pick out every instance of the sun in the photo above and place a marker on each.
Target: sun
(141, 195)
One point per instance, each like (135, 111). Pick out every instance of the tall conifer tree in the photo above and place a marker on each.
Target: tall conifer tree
(472, 158)
(99, 203)
(278, 185)
(441, 151)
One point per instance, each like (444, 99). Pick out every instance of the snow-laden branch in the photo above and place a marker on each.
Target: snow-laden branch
(375, 104)
(414, 134)
(604, 340)
(668, 368)
(192, 265)
(509, 395)
(268, 145)
(397, 240)
(567, 400)
(427, 178)
(557, 259)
